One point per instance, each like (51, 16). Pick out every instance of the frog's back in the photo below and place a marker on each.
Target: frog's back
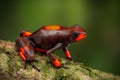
(48, 36)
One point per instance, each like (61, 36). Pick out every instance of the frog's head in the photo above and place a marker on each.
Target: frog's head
(77, 33)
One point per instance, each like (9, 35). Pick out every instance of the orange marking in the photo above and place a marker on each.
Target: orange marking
(57, 63)
(81, 36)
(27, 47)
(52, 27)
(22, 56)
(67, 54)
(26, 34)
(22, 50)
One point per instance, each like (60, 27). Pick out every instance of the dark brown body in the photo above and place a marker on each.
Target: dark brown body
(48, 39)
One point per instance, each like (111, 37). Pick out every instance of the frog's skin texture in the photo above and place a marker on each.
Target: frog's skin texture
(46, 40)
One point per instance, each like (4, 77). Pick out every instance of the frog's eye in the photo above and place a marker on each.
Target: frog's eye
(75, 34)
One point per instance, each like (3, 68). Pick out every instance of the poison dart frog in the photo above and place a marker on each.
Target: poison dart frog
(46, 40)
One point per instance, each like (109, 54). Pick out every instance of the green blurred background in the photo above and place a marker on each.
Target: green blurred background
(100, 19)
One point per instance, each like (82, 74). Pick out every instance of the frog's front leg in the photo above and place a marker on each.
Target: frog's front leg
(55, 61)
(67, 53)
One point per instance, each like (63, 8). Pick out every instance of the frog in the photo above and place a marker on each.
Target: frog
(46, 40)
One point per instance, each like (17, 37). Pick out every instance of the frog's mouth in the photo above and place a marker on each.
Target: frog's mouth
(82, 35)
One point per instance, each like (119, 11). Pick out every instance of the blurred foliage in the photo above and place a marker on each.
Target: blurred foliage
(100, 19)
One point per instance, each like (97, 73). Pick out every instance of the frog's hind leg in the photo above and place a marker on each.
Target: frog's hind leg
(25, 50)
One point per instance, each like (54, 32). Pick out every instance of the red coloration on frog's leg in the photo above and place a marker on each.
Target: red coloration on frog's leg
(67, 53)
(55, 61)
(22, 56)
